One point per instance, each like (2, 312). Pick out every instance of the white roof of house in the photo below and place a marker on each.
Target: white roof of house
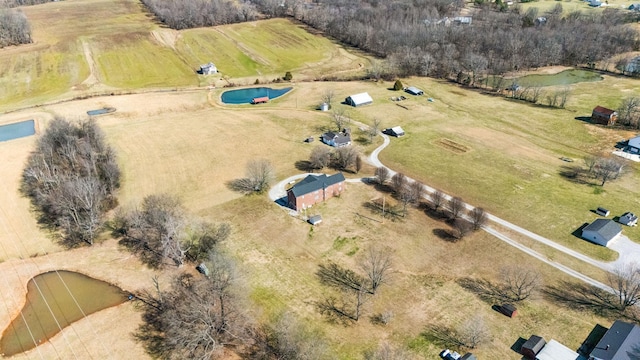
(361, 98)
(397, 130)
(635, 142)
(414, 89)
(556, 351)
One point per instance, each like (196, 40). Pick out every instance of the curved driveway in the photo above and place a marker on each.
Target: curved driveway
(628, 250)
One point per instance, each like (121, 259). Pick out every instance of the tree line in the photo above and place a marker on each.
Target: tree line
(14, 28)
(185, 14)
(71, 178)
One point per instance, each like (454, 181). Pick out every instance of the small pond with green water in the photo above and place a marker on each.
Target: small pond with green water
(54, 300)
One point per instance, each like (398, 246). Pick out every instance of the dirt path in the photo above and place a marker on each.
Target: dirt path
(93, 78)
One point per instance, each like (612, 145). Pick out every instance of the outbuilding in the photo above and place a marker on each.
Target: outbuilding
(604, 116)
(315, 220)
(554, 350)
(208, 69)
(260, 100)
(396, 131)
(414, 90)
(633, 145)
(532, 347)
(359, 99)
(629, 219)
(508, 310)
(601, 231)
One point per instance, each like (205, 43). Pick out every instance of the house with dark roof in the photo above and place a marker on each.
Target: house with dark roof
(601, 231)
(396, 131)
(532, 347)
(629, 219)
(604, 116)
(336, 139)
(414, 90)
(620, 342)
(314, 189)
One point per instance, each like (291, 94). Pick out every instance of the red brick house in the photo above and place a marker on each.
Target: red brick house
(604, 116)
(314, 189)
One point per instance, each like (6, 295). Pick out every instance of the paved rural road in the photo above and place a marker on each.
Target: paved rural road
(628, 250)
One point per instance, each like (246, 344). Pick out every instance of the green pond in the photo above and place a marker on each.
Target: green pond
(567, 77)
(55, 300)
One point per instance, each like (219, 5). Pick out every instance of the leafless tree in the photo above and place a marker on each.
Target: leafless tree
(520, 282)
(293, 340)
(345, 157)
(376, 264)
(328, 96)
(382, 175)
(437, 199)
(456, 207)
(197, 316)
(183, 14)
(474, 332)
(461, 228)
(590, 162)
(320, 157)
(416, 192)
(478, 218)
(625, 282)
(629, 112)
(387, 352)
(564, 97)
(399, 183)
(258, 177)
(358, 165)
(14, 27)
(607, 169)
(374, 129)
(340, 118)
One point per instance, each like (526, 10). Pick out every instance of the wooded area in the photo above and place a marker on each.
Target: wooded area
(184, 14)
(71, 179)
(14, 28)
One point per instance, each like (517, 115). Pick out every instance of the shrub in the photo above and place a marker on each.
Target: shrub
(398, 85)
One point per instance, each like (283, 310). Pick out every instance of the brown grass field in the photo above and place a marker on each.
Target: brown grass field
(189, 144)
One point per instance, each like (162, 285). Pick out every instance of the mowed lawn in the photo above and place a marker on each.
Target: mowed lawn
(504, 155)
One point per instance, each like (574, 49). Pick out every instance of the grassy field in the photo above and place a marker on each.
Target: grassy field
(97, 46)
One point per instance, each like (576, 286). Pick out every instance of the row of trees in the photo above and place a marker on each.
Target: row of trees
(185, 14)
(14, 3)
(14, 28)
(342, 158)
(71, 179)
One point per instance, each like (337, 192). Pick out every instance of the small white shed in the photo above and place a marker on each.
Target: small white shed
(359, 99)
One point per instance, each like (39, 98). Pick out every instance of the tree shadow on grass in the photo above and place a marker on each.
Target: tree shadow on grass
(304, 165)
(446, 235)
(375, 206)
(434, 214)
(484, 289)
(443, 336)
(574, 174)
(583, 297)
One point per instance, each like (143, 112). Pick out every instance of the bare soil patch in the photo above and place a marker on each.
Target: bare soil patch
(452, 145)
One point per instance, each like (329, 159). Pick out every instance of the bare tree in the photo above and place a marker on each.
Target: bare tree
(478, 218)
(625, 282)
(437, 199)
(358, 165)
(461, 228)
(416, 192)
(474, 332)
(293, 340)
(456, 207)
(376, 265)
(345, 157)
(590, 162)
(374, 129)
(382, 174)
(520, 282)
(387, 352)
(399, 183)
(607, 169)
(340, 118)
(629, 112)
(320, 157)
(258, 177)
(328, 96)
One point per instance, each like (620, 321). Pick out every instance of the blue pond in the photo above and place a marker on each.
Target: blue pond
(244, 96)
(17, 130)
(100, 111)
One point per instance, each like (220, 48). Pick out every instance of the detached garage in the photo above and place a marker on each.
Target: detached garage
(601, 231)
(359, 99)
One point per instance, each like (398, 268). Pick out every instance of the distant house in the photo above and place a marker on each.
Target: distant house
(532, 347)
(414, 90)
(208, 69)
(634, 7)
(633, 65)
(601, 231)
(604, 116)
(595, 3)
(314, 189)
(462, 20)
(620, 342)
(336, 139)
(554, 350)
(394, 131)
(629, 219)
(359, 99)
(539, 21)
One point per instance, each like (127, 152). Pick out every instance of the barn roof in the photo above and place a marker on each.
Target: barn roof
(397, 130)
(556, 351)
(635, 142)
(338, 138)
(315, 219)
(315, 182)
(603, 110)
(606, 228)
(414, 90)
(619, 341)
(362, 98)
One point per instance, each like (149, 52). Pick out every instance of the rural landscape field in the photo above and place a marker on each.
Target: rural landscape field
(172, 134)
